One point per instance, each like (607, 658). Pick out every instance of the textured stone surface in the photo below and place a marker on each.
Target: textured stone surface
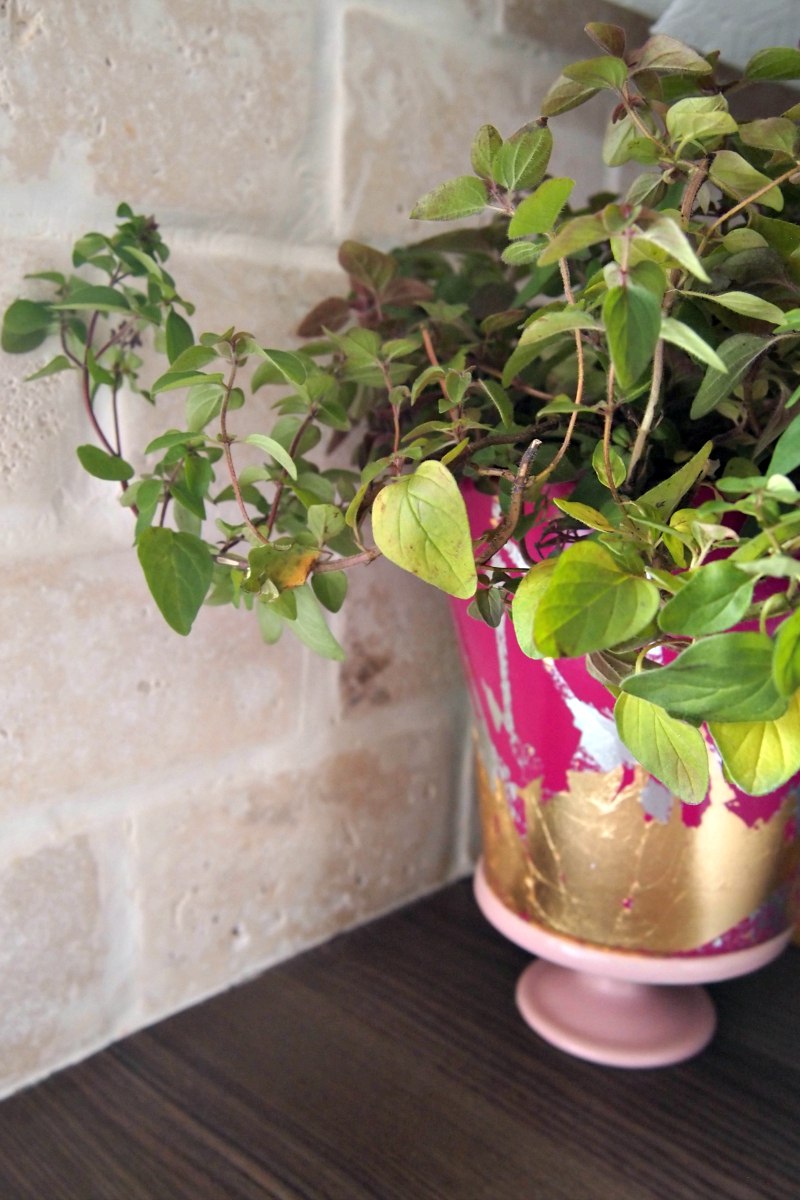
(212, 110)
(99, 693)
(399, 641)
(65, 971)
(238, 870)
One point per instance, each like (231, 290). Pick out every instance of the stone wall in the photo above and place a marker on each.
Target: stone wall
(178, 814)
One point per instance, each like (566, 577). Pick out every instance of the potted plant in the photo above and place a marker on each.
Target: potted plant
(613, 386)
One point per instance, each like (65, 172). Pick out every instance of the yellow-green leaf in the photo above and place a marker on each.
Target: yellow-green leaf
(761, 756)
(420, 523)
(671, 750)
(526, 600)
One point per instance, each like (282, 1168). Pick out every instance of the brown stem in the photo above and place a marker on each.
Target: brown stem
(226, 445)
(505, 530)
(281, 484)
(643, 432)
(344, 564)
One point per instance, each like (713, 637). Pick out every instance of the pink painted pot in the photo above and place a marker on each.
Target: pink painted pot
(581, 840)
(582, 845)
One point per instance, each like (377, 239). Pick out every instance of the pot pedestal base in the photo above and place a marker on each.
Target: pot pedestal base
(614, 1021)
(617, 1007)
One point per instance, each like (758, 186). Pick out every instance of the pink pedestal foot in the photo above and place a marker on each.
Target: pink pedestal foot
(617, 1007)
(614, 1021)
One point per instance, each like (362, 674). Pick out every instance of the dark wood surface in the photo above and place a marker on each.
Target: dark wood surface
(391, 1064)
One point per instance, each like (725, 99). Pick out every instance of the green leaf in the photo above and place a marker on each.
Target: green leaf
(464, 196)
(585, 514)
(577, 234)
(786, 454)
(330, 588)
(736, 177)
(786, 662)
(747, 304)
(671, 750)
(778, 134)
(104, 466)
(632, 317)
(775, 63)
(726, 677)
(544, 327)
(172, 380)
(602, 72)
(760, 756)
(203, 402)
(26, 324)
(501, 400)
(668, 235)
(420, 523)
(522, 161)
(538, 212)
(96, 298)
(325, 521)
(667, 54)
(178, 569)
(270, 623)
(624, 141)
(564, 95)
(714, 598)
(526, 600)
(275, 450)
(591, 603)
(280, 366)
(738, 353)
(618, 468)
(683, 336)
(311, 627)
(608, 37)
(59, 363)
(192, 358)
(485, 144)
(699, 118)
(369, 266)
(179, 335)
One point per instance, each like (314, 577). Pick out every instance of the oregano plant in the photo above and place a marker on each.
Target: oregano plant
(640, 350)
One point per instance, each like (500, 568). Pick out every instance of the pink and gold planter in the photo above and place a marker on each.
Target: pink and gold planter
(590, 863)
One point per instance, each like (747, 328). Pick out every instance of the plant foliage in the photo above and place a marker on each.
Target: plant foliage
(641, 348)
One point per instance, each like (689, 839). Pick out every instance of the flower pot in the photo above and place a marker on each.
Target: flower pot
(590, 863)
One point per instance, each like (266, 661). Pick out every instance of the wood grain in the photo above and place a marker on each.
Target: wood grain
(391, 1064)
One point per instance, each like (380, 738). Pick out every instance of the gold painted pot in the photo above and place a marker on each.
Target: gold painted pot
(582, 841)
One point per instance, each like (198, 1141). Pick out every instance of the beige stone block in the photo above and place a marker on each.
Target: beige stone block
(252, 866)
(66, 979)
(399, 641)
(192, 106)
(100, 694)
(560, 23)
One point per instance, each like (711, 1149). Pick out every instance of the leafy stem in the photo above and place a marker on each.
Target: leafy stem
(226, 446)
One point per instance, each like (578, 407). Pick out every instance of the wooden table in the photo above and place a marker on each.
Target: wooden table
(391, 1064)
